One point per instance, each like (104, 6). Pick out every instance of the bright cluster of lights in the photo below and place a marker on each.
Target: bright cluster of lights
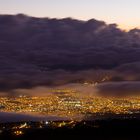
(70, 105)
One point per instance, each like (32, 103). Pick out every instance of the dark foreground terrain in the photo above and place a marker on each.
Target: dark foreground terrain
(101, 130)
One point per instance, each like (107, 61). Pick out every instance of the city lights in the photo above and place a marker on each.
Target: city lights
(69, 105)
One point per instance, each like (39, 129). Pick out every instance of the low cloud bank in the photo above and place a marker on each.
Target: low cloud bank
(38, 52)
(16, 117)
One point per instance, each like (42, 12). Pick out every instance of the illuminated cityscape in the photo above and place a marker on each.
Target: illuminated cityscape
(69, 69)
(65, 103)
(68, 104)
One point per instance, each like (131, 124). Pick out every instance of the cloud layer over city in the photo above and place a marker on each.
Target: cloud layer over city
(47, 52)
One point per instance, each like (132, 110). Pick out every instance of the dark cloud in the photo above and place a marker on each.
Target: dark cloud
(124, 88)
(51, 52)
